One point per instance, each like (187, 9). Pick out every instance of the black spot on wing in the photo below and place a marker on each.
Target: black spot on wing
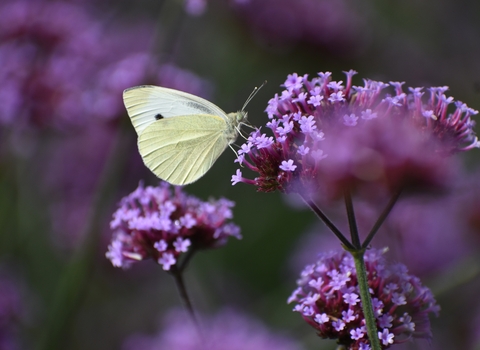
(158, 116)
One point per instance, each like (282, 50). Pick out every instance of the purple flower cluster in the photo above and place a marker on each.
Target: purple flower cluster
(228, 330)
(328, 299)
(161, 223)
(328, 135)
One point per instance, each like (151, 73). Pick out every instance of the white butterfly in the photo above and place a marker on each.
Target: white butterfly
(180, 135)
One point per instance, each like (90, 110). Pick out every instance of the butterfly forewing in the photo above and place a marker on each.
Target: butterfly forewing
(180, 150)
(146, 104)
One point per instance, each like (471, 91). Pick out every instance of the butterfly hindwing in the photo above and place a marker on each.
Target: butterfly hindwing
(182, 149)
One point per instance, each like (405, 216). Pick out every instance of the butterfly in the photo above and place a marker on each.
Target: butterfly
(180, 135)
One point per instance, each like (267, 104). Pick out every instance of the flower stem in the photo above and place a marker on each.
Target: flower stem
(182, 290)
(382, 218)
(190, 253)
(367, 307)
(351, 220)
(329, 224)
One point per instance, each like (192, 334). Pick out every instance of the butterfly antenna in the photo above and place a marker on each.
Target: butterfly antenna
(252, 95)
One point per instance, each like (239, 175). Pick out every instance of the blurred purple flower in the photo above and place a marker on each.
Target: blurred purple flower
(329, 136)
(161, 223)
(62, 67)
(228, 330)
(328, 299)
(431, 236)
(339, 26)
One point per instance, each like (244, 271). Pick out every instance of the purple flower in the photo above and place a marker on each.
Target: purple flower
(358, 333)
(396, 321)
(288, 165)
(228, 330)
(350, 120)
(385, 337)
(162, 223)
(359, 136)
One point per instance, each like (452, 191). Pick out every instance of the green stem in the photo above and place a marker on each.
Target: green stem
(182, 290)
(351, 220)
(366, 299)
(183, 265)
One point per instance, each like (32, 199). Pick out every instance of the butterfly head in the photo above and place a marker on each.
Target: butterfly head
(241, 117)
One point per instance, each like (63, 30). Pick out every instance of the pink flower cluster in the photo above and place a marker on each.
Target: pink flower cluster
(328, 299)
(328, 135)
(163, 223)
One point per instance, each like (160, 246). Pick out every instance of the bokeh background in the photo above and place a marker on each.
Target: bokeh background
(68, 155)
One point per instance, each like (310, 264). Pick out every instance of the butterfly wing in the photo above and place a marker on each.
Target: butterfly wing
(182, 149)
(146, 104)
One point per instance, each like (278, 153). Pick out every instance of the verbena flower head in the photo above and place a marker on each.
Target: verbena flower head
(162, 223)
(328, 135)
(328, 299)
(228, 330)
